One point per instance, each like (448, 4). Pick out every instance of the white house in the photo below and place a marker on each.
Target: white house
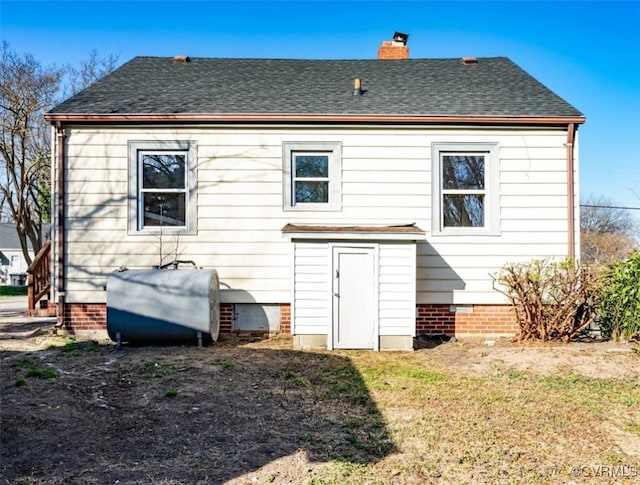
(13, 265)
(352, 203)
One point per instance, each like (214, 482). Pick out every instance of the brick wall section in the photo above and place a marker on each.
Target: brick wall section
(226, 318)
(435, 319)
(85, 316)
(485, 319)
(432, 319)
(93, 316)
(285, 318)
(388, 51)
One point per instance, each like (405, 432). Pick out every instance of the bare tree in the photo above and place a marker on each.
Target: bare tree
(89, 71)
(608, 232)
(27, 90)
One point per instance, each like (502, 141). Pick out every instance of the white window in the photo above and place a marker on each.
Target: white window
(162, 186)
(15, 261)
(465, 189)
(312, 175)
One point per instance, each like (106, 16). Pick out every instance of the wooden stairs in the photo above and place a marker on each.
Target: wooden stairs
(39, 284)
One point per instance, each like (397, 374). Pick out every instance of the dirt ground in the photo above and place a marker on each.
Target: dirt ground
(233, 412)
(589, 357)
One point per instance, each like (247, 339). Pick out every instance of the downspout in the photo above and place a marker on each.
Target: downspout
(60, 222)
(571, 206)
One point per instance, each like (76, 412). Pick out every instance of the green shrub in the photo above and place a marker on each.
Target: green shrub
(619, 308)
(552, 300)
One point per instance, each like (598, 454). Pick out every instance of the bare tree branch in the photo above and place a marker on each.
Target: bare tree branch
(89, 71)
(26, 90)
(607, 233)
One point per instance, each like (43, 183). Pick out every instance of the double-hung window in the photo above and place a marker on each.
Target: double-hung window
(162, 186)
(465, 189)
(312, 175)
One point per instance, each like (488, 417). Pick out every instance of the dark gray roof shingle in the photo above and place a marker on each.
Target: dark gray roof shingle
(9, 239)
(438, 87)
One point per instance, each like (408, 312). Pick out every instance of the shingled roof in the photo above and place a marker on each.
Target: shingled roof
(206, 87)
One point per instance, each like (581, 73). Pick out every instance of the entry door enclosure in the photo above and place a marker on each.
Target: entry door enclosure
(354, 300)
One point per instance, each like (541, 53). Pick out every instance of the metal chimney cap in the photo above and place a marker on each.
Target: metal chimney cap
(400, 37)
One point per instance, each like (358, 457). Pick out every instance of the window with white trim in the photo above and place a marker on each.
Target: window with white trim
(162, 186)
(312, 175)
(465, 188)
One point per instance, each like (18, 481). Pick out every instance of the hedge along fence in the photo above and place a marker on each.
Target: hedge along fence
(619, 305)
(553, 300)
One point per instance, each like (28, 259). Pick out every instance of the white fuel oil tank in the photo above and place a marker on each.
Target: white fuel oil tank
(163, 306)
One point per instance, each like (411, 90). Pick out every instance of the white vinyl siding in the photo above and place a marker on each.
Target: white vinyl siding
(386, 179)
(396, 286)
(397, 289)
(311, 308)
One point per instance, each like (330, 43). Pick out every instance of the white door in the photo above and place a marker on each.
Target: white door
(353, 298)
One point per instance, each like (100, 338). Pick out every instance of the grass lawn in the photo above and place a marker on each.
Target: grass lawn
(12, 290)
(513, 427)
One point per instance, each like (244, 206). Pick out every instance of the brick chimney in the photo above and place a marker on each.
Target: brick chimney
(396, 48)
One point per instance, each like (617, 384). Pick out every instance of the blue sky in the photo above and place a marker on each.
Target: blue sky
(588, 52)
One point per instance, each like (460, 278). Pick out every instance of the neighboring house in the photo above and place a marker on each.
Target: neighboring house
(13, 265)
(352, 203)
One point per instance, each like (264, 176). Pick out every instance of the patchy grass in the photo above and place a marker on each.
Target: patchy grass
(24, 363)
(273, 415)
(70, 348)
(224, 363)
(32, 370)
(42, 373)
(63, 344)
(513, 427)
(158, 368)
(74, 348)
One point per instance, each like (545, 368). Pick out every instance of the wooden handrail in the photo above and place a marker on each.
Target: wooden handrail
(39, 276)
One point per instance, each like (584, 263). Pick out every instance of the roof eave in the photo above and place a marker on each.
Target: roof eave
(309, 118)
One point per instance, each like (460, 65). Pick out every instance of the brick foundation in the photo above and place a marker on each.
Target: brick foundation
(285, 318)
(83, 317)
(226, 318)
(434, 319)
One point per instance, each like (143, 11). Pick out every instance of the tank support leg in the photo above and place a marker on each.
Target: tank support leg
(118, 340)
(199, 338)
